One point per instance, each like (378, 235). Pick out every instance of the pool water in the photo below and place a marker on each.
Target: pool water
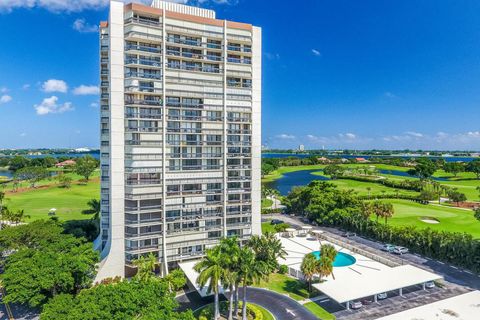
(341, 260)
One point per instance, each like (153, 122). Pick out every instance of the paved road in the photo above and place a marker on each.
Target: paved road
(282, 307)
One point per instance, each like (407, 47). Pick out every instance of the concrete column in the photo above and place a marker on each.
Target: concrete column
(375, 299)
(400, 291)
(348, 305)
(424, 286)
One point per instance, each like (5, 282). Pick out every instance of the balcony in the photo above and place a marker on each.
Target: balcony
(196, 43)
(143, 115)
(143, 182)
(143, 89)
(144, 62)
(182, 66)
(129, 47)
(143, 102)
(146, 22)
(143, 75)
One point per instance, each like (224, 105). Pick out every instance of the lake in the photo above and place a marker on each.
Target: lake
(294, 179)
(304, 155)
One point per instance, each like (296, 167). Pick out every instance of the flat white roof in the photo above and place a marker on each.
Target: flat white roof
(352, 286)
(366, 277)
(462, 307)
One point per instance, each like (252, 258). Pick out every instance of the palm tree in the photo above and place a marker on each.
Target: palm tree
(145, 267)
(325, 267)
(95, 208)
(268, 249)
(230, 251)
(17, 217)
(328, 252)
(388, 211)
(211, 270)
(309, 268)
(250, 271)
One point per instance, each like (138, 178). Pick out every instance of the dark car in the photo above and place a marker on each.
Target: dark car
(276, 221)
(349, 234)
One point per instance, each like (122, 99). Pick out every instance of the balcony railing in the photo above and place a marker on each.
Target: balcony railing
(196, 43)
(143, 102)
(142, 48)
(183, 66)
(143, 75)
(145, 62)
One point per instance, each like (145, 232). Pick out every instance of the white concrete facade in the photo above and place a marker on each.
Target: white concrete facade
(181, 133)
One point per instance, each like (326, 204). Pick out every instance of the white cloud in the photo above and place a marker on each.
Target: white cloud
(94, 105)
(68, 6)
(5, 99)
(82, 26)
(4, 90)
(26, 86)
(347, 135)
(84, 90)
(272, 56)
(50, 105)
(414, 134)
(55, 6)
(285, 136)
(23, 134)
(316, 52)
(390, 95)
(54, 85)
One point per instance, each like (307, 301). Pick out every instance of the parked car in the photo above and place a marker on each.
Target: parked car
(349, 234)
(400, 250)
(355, 305)
(366, 302)
(276, 221)
(382, 296)
(430, 285)
(388, 247)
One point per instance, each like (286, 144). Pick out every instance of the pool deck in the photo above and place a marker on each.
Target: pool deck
(363, 279)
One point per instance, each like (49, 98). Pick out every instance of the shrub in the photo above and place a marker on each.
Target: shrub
(283, 269)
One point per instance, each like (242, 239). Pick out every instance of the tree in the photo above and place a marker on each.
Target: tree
(328, 253)
(268, 249)
(17, 216)
(250, 270)
(230, 251)
(118, 300)
(145, 267)
(32, 174)
(34, 275)
(309, 268)
(424, 168)
(333, 171)
(211, 271)
(18, 162)
(95, 208)
(175, 280)
(456, 196)
(85, 166)
(267, 168)
(474, 166)
(64, 181)
(477, 214)
(454, 167)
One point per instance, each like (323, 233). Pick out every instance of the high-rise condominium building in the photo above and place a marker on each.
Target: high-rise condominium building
(180, 133)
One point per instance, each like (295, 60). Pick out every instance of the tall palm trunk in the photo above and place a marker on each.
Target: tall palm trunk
(217, 308)
(230, 306)
(236, 300)
(244, 306)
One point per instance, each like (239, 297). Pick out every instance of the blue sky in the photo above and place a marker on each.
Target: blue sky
(337, 74)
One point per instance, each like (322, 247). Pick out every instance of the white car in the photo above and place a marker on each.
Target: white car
(430, 285)
(356, 305)
(382, 296)
(400, 250)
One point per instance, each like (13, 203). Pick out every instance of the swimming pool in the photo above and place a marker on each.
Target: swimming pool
(341, 260)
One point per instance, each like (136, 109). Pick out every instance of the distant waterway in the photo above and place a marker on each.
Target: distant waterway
(294, 179)
(305, 155)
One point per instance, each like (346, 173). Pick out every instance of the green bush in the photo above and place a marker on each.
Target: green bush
(283, 269)
(253, 312)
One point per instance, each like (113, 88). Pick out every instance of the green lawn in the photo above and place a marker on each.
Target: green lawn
(318, 311)
(266, 203)
(283, 284)
(69, 202)
(361, 187)
(451, 219)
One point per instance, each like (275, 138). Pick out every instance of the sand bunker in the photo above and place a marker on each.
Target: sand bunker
(429, 220)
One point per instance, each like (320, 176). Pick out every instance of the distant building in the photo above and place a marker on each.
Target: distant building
(301, 148)
(362, 160)
(65, 163)
(324, 160)
(82, 150)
